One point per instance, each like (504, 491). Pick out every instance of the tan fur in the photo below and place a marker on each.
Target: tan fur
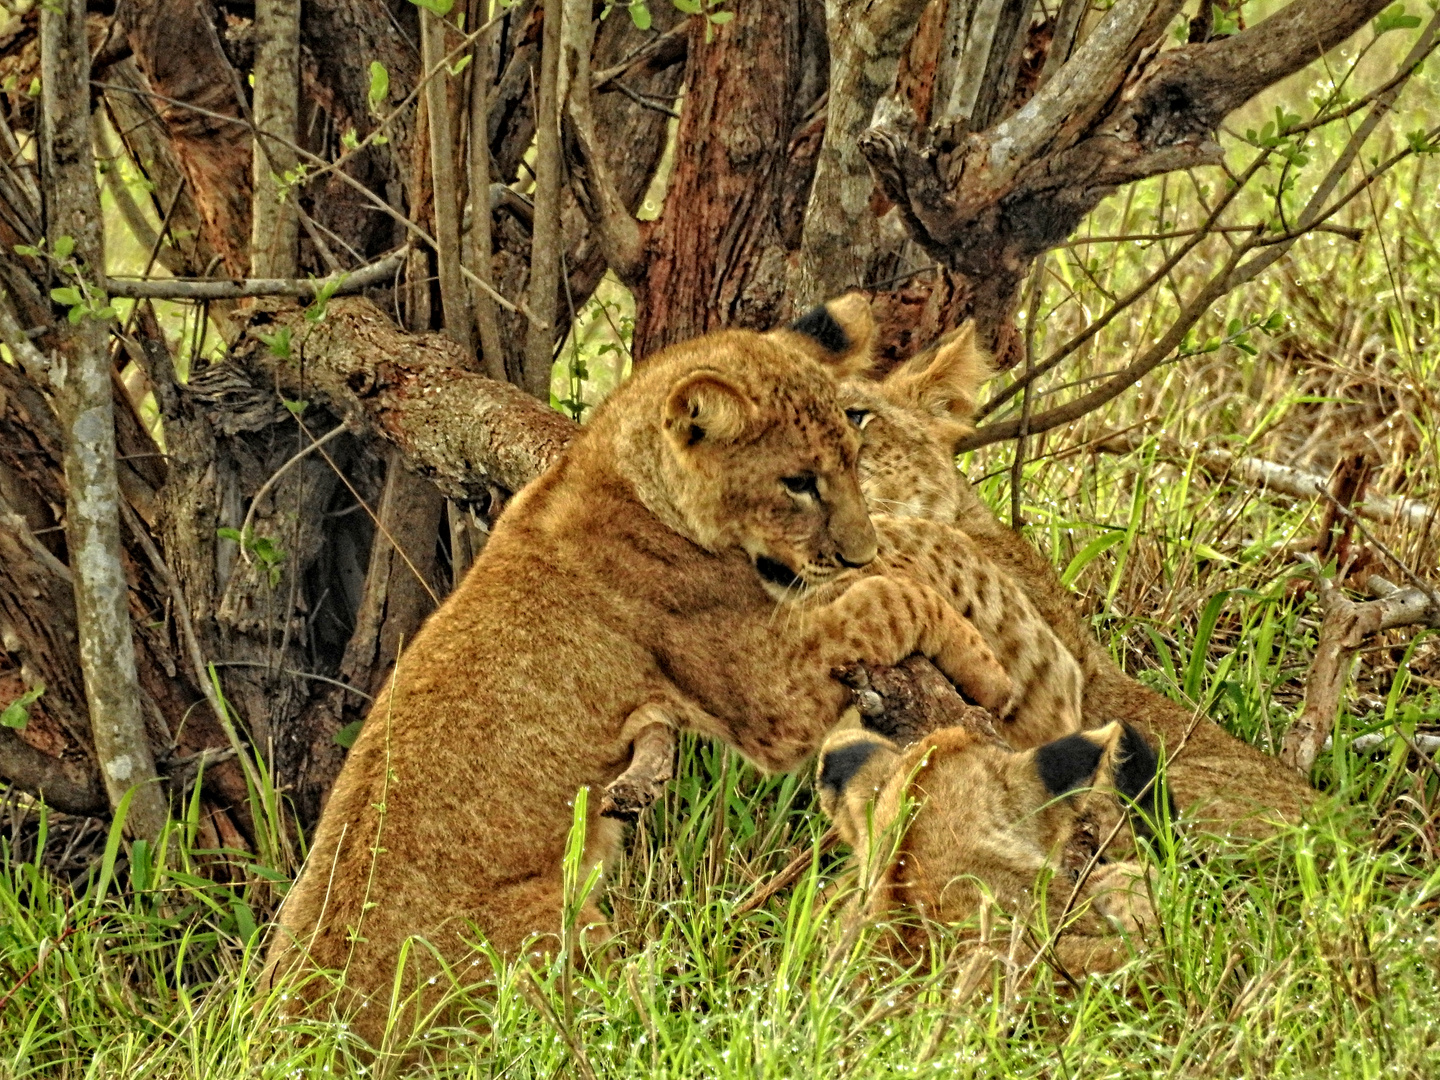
(593, 614)
(907, 467)
(956, 822)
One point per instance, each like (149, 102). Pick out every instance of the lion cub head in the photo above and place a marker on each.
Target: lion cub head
(910, 423)
(737, 440)
(946, 826)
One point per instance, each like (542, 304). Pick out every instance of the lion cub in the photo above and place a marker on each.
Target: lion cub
(957, 821)
(913, 420)
(723, 464)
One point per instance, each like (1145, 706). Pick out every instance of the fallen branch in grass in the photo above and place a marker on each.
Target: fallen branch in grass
(1374, 740)
(1344, 628)
(1285, 479)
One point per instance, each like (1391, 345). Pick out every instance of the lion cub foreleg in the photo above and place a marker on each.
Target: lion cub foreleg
(882, 620)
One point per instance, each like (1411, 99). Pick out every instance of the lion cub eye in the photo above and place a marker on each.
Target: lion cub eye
(859, 417)
(800, 485)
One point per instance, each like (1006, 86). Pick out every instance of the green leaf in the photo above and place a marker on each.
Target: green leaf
(720, 18)
(379, 83)
(296, 407)
(689, 7)
(106, 312)
(349, 140)
(640, 16)
(63, 246)
(76, 314)
(67, 296)
(17, 713)
(26, 249)
(228, 533)
(1394, 18)
(347, 735)
(461, 64)
(34, 90)
(1088, 553)
(439, 7)
(278, 343)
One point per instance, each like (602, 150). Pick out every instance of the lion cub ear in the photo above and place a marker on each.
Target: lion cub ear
(840, 335)
(854, 765)
(705, 406)
(944, 381)
(1115, 757)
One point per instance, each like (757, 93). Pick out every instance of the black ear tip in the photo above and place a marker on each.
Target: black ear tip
(819, 324)
(1137, 765)
(838, 767)
(1067, 763)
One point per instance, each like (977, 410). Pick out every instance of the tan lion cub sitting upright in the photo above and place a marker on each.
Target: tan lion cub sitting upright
(989, 825)
(592, 616)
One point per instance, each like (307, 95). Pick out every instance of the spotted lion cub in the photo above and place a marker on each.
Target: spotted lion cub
(956, 822)
(912, 421)
(918, 540)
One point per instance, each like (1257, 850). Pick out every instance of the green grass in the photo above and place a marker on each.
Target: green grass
(1313, 954)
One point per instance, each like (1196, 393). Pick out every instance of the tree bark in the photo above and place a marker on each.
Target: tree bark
(454, 294)
(718, 254)
(175, 46)
(275, 230)
(81, 378)
(545, 248)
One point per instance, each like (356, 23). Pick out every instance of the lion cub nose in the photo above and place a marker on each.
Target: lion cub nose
(858, 553)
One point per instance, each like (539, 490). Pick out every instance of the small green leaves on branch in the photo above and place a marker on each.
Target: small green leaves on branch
(379, 85)
(17, 714)
(1237, 333)
(266, 552)
(83, 299)
(1394, 18)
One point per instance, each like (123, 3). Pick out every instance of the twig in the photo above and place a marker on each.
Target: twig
(527, 986)
(787, 876)
(293, 674)
(302, 288)
(643, 103)
(315, 444)
(1404, 567)
(369, 196)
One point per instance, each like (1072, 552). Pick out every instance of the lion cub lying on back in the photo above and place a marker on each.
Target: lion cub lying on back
(986, 824)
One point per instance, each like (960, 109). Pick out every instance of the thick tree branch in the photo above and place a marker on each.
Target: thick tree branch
(462, 430)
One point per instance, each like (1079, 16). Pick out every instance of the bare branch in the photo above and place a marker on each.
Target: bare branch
(376, 273)
(1342, 631)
